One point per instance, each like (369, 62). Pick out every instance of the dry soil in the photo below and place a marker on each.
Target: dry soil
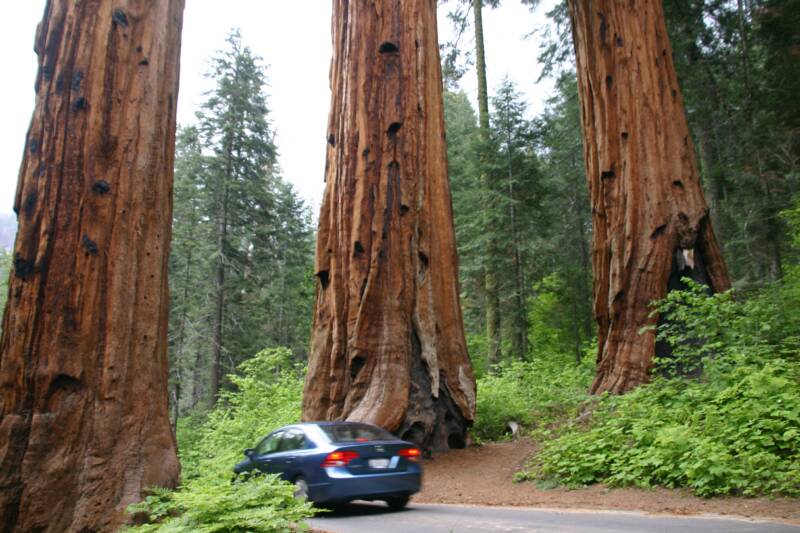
(483, 475)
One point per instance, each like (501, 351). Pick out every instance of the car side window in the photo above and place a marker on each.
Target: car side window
(293, 439)
(270, 444)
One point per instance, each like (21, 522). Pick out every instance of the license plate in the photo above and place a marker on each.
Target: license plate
(379, 463)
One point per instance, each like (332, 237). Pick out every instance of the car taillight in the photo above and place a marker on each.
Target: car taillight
(412, 454)
(341, 458)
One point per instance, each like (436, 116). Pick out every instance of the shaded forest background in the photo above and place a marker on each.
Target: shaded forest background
(239, 223)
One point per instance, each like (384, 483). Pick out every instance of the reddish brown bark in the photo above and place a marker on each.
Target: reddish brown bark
(388, 342)
(651, 223)
(84, 423)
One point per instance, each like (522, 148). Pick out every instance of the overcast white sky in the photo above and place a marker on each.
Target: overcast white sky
(293, 38)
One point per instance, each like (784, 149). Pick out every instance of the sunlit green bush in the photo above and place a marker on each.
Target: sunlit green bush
(734, 430)
(267, 395)
(534, 394)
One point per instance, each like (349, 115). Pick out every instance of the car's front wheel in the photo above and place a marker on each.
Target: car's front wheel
(300, 488)
(397, 502)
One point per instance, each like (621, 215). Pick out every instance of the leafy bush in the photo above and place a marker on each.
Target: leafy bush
(735, 430)
(268, 395)
(533, 394)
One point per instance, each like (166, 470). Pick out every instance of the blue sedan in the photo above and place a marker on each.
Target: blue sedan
(337, 462)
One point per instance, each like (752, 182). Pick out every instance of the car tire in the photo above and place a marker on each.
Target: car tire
(300, 488)
(397, 502)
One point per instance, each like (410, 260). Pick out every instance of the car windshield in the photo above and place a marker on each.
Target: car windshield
(355, 433)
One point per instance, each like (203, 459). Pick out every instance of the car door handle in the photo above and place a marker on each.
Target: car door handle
(291, 459)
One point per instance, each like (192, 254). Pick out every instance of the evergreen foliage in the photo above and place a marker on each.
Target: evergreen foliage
(267, 396)
(734, 430)
(6, 262)
(736, 70)
(535, 394)
(538, 216)
(242, 252)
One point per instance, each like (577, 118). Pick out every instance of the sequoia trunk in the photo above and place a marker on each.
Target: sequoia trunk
(388, 343)
(651, 222)
(84, 422)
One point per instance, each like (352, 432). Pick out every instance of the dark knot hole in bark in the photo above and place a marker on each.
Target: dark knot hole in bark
(77, 78)
(101, 187)
(332, 139)
(62, 384)
(678, 184)
(89, 245)
(658, 231)
(30, 204)
(356, 364)
(423, 260)
(608, 174)
(120, 18)
(423, 265)
(603, 27)
(23, 267)
(324, 278)
(358, 249)
(388, 47)
(391, 132)
(80, 104)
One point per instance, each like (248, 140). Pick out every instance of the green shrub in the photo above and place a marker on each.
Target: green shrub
(532, 393)
(268, 395)
(735, 430)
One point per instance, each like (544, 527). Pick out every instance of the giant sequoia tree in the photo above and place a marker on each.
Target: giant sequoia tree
(83, 363)
(388, 342)
(651, 222)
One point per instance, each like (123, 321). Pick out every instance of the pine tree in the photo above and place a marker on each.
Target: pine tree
(516, 200)
(190, 270)
(236, 222)
(234, 128)
(566, 242)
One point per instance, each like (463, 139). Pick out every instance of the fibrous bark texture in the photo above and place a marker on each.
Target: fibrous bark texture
(388, 341)
(651, 222)
(84, 423)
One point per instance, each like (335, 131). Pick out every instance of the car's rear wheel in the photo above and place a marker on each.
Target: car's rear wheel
(397, 502)
(300, 488)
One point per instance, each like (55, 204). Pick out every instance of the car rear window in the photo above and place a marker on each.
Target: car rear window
(355, 433)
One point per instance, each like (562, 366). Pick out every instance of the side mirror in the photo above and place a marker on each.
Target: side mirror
(249, 452)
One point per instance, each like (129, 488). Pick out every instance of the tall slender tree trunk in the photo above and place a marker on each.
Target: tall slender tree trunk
(388, 342)
(179, 348)
(651, 223)
(84, 421)
(490, 285)
(711, 180)
(219, 295)
(585, 263)
(520, 323)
